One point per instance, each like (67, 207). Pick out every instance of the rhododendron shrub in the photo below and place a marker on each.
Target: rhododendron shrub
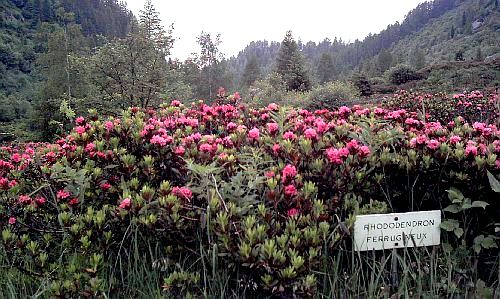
(475, 106)
(264, 190)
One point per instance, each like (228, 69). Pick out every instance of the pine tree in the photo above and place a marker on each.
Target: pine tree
(290, 65)
(325, 68)
(150, 22)
(252, 71)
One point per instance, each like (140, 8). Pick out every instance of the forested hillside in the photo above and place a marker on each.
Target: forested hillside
(433, 32)
(39, 40)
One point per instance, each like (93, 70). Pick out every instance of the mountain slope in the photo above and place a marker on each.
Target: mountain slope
(439, 29)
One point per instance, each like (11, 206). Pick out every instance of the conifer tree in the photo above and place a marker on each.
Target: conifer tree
(150, 22)
(252, 71)
(326, 68)
(290, 65)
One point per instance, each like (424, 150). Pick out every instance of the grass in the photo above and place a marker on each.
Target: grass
(425, 272)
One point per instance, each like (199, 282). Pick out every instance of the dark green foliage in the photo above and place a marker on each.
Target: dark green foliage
(401, 74)
(252, 71)
(417, 58)
(331, 95)
(362, 84)
(290, 65)
(459, 56)
(384, 60)
(325, 68)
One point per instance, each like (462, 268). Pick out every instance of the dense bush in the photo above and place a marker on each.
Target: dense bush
(400, 74)
(261, 197)
(331, 95)
(472, 106)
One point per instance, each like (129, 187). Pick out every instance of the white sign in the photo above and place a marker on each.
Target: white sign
(397, 230)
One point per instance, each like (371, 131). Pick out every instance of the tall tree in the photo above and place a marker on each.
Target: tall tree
(150, 22)
(251, 72)
(209, 64)
(325, 68)
(290, 65)
(131, 71)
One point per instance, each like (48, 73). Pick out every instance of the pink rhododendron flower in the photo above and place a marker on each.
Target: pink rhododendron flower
(455, 139)
(74, 201)
(471, 150)
(310, 133)
(254, 134)
(180, 150)
(433, 144)
(321, 126)
(269, 174)
(105, 186)
(125, 204)
(205, 148)
(40, 200)
(334, 156)
(290, 190)
(62, 194)
(352, 145)
(90, 147)
(364, 151)
(272, 107)
(289, 172)
(79, 120)
(421, 139)
(182, 192)
(12, 220)
(289, 135)
(157, 139)
(276, 148)
(16, 158)
(80, 130)
(175, 103)
(272, 127)
(109, 125)
(24, 199)
(293, 212)
(231, 126)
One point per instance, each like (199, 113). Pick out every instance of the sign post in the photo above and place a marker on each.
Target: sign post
(397, 230)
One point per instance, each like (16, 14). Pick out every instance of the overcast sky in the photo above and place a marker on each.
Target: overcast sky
(239, 22)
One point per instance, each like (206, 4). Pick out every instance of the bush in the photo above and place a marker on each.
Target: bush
(401, 74)
(273, 90)
(206, 200)
(331, 95)
(363, 84)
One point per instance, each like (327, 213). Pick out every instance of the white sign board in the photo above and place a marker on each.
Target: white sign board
(397, 230)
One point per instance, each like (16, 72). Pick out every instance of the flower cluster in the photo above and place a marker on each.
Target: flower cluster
(269, 184)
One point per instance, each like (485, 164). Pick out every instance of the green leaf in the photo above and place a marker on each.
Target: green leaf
(489, 242)
(479, 204)
(449, 225)
(479, 239)
(466, 205)
(458, 232)
(494, 183)
(452, 209)
(447, 248)
(477, 248)
(455, 195)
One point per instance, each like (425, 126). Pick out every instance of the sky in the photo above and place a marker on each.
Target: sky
(240, 22)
